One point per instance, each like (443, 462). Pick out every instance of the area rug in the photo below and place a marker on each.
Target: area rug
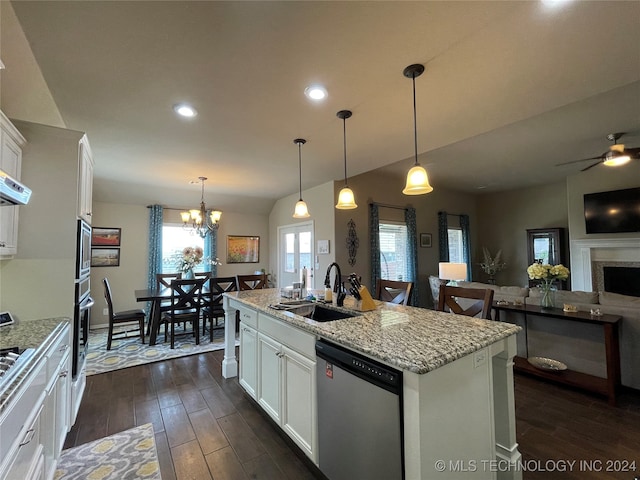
(129, 352)
(126, 455)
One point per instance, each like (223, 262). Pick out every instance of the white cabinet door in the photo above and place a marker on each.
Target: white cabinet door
(10, 162)
(269, 354)
(85, 181)
(299, 400)
(249, 360)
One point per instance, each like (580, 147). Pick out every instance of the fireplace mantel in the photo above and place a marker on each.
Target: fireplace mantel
(585, 252)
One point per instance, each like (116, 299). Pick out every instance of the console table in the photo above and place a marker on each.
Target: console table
(604, 386)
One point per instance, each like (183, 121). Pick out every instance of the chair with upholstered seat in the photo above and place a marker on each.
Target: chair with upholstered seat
(475, 301)
(213, 309)
(394, 291)
(126, 316)
(251, 282)
(186, 304)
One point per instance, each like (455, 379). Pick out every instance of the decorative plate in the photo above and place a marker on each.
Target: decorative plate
(547, 364)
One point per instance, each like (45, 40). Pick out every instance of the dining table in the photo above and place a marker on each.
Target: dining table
(156, 296)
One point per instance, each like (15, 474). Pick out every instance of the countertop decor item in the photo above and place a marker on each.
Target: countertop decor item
(346, 199)
(547, 364)
(417, 178)
(201, 221)
(301, 210)
(569, 308)
(548, 274)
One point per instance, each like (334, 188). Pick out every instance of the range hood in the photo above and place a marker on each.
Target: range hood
(12, 192)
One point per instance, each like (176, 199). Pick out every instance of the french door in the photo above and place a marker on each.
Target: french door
(295, 252)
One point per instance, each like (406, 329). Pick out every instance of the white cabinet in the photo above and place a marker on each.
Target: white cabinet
(85, 180)
(248, 359)
(269, 376)
(34, 424)
(278, 370)
(11, 143)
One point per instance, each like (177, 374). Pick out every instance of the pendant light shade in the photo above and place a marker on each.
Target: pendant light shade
(301, 210)
(346, 199)
(417, 178)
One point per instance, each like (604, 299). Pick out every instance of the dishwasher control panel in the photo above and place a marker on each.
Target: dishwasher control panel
(376, 371)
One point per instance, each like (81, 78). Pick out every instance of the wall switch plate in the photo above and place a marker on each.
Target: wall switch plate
(479, 358)
(105, 311)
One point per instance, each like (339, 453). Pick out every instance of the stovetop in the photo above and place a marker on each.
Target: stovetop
(12, 363)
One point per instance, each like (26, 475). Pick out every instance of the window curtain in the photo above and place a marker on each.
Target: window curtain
(443, 236)
(374, 240)
(155, 247)
(412, 253)
(466, 244)
(211, 251)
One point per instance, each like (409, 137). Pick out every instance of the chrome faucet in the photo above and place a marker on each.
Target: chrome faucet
(337, 286)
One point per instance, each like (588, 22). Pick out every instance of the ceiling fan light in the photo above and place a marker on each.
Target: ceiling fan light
(301, 210)
(417, 182)
(346, 199)
(614, 159)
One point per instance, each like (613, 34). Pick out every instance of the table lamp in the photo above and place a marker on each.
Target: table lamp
(450, 272)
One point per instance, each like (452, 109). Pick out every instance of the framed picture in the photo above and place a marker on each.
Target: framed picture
(323, 247)
(243, 249)
(105, 257)
(105, 237)
(425, 240)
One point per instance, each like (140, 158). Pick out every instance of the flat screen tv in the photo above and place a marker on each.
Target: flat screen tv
(617, 211)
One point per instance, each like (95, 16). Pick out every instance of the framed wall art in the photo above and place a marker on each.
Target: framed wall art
(243, 249)
(105, 257)
(105, 237)
(425, 240)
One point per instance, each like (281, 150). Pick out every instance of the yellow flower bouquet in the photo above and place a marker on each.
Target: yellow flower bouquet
(548, 274)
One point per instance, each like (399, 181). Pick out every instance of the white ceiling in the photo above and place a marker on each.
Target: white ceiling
(510, 90)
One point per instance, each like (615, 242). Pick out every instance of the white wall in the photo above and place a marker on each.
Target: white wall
(319, 200)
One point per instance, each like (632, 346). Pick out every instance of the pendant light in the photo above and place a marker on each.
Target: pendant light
(301, 207)
(346, 199)
(417, 179)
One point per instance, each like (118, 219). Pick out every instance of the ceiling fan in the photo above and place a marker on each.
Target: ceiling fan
(615, 156)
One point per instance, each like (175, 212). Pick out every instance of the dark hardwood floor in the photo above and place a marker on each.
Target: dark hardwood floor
(207, 428)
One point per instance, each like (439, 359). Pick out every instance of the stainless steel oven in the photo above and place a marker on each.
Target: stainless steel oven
(83, 255)
(81, 322)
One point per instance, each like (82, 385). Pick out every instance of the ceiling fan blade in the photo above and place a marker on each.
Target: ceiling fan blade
(582, 160)
(633, 152)
(590, 166)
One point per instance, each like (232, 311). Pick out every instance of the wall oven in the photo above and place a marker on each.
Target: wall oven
(81, 322)
(83, 254)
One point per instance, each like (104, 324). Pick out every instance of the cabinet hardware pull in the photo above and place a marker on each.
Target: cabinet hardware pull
(64, 374)
(28, 437)
(2, 244)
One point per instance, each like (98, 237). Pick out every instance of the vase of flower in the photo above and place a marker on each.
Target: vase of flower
(491, 266)
(188, 274)
(547, 294)
(548, 274)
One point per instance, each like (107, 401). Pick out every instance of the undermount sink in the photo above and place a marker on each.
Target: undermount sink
(322, 314)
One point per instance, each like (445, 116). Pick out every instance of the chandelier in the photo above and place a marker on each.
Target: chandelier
(201, 221)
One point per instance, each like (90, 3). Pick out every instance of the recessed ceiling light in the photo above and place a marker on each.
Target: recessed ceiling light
(185, 110)
(315, 92)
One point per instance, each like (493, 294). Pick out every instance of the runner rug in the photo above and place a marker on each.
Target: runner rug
(128, 351)
(126, 455)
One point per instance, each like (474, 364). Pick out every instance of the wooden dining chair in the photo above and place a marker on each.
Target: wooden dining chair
(251, 282)
(186, 305)
(394, 291)
(164, 279)
(126, 316)
(448, 301)
(213, 309)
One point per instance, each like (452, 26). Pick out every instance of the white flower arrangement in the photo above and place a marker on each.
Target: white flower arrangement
(547, 273)
(190, 258)
(491, 266)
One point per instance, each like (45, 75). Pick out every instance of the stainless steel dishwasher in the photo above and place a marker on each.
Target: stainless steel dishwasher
(359, 416)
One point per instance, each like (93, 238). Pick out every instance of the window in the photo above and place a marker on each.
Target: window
(174, 240)
(393, 251)
(456, 252)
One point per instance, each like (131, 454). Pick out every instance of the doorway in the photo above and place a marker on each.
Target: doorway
(295, 252)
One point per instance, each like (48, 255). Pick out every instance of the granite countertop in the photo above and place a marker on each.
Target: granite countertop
(410, 338)
(27, 334)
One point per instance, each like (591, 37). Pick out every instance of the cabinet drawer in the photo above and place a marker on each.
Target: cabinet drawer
(288, 335)
(56, 351)
(248, 316)
(29, 450)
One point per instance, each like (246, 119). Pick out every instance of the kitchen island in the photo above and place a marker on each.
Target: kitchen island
(457, 379)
